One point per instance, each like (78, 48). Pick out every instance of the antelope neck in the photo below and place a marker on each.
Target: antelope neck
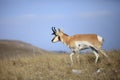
(64, 39)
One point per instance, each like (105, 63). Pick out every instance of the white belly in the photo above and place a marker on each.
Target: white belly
(82, 45)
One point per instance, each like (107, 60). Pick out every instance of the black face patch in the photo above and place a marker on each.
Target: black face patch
(57, 38)
(52, 39)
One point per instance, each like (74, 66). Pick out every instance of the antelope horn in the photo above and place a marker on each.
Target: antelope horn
(54, 30)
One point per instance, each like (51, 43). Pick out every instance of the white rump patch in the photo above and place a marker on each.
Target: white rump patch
(100, 38)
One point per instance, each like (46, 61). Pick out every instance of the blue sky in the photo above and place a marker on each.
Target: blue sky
(31, 20)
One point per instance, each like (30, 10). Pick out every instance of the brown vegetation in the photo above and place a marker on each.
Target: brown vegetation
(45, 65)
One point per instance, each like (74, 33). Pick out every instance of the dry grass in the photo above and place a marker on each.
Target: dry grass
(58, 67)
(21, 61)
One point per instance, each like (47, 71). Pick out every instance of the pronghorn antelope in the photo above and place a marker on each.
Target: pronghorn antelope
(80, 42)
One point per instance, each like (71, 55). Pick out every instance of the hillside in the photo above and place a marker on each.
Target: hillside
(13, 48)
(54, 66)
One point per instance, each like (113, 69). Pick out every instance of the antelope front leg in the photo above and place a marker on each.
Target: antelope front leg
(78, 57)
(71, 57)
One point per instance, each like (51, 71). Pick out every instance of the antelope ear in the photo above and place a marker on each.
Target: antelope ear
(60, 30)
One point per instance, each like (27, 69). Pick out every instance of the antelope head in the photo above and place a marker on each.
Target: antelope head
(56, 34)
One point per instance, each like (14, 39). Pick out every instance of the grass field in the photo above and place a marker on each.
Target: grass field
(53, 66)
